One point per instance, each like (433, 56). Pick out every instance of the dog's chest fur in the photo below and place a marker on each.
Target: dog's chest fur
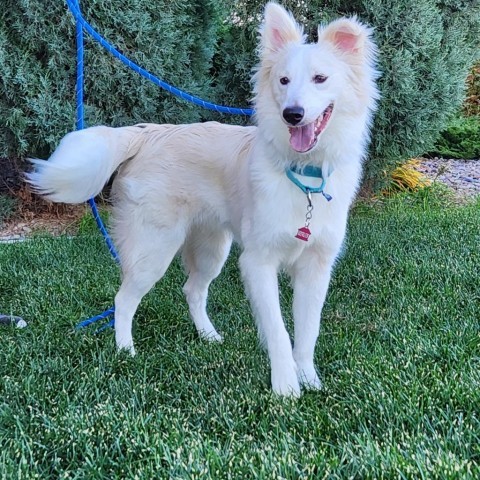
(275, 209)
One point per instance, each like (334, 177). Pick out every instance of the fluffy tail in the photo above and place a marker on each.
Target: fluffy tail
(82, 163)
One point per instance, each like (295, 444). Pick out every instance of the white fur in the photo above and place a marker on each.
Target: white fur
(195, 188)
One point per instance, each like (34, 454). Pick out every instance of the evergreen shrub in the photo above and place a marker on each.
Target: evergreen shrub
(8, 205)
(461, 139)
(173, 40)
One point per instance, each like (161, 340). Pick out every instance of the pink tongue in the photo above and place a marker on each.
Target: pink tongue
(302, 138)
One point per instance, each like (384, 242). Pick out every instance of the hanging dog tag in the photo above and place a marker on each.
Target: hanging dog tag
(303, 234)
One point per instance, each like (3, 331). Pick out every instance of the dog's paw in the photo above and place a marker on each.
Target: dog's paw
(211, 336)
(286, 384)
(126, 347)
(309, 379)
(127, 350)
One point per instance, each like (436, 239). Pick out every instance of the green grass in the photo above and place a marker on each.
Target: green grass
(399, 355)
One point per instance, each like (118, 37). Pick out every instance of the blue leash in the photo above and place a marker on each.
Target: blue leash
(74, 7)
(80, 26)
(80, 126)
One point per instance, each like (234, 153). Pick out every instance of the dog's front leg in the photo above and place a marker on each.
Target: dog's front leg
(311, 276)
(261, 284)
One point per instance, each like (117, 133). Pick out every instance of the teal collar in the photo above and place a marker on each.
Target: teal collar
(308, 171)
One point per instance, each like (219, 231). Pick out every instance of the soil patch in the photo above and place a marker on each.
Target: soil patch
(35, 216)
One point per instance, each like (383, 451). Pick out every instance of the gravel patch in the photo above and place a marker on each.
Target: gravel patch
(461, 176)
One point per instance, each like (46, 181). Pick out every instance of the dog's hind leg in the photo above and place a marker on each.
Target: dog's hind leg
(204, 254)
(145, 253)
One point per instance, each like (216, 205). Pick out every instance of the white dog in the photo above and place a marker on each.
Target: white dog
(281, 189)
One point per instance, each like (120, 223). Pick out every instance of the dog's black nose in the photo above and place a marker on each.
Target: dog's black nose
(293, 115)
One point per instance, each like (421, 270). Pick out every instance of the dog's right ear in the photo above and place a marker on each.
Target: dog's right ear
(279, 28)
(348, 35)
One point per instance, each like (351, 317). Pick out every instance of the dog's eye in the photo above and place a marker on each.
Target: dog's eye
(319, 78)
(284, 80)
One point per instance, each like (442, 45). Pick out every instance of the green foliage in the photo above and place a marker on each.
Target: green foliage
(461, 139)
(426, 48)
(174, 40)
(8, 205)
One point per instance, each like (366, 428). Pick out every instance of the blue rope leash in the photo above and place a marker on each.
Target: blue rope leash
(75, 9)
(96, 318)
(80, 124)
(80, 26)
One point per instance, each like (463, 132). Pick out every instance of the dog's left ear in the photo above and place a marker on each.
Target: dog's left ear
(346, 34)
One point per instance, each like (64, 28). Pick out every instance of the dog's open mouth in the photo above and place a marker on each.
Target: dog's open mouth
(304, 138)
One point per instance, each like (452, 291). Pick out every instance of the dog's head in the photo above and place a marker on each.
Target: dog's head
(308, 87)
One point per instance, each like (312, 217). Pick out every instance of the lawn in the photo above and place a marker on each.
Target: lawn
(399, 355)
